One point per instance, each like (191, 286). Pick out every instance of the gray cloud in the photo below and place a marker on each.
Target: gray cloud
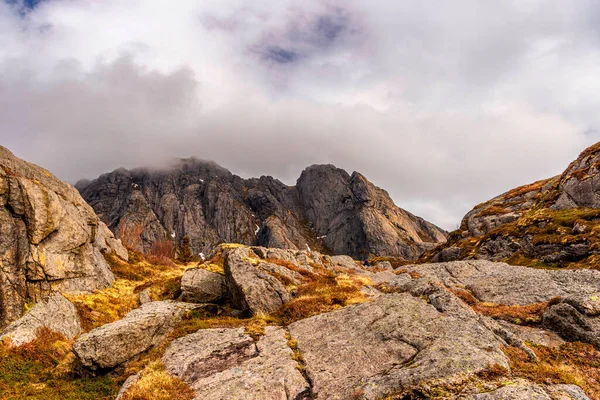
(444, 105)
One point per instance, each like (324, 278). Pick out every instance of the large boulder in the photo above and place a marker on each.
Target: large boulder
(201, 286)
(394, 343)
(252, 289)
(113, 344)
(326, 209)
(50, 238)
(228, 364)
(53, 312)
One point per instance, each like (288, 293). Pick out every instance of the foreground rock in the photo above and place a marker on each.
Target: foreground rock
(397, 342)
(228, 364)
(112, 344)
(51, 238)
(54, 312)
(326, 209)
(547, 223)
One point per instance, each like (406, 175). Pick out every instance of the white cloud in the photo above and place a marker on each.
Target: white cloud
(443, 104)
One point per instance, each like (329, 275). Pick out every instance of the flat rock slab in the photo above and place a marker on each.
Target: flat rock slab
(112, 344)
(54, 312)
(506, 284)
(396, 342)
(227, 364)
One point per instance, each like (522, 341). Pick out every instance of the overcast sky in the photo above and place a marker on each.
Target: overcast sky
(442, 103)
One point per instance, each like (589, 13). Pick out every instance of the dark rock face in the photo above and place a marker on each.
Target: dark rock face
(50, 239)
(549, 222)
(328, 210)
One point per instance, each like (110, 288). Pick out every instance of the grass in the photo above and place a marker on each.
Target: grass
(111, 304)
(572, 363)
(530, 314)
(156, 384)
(43, 369)
(325, 292)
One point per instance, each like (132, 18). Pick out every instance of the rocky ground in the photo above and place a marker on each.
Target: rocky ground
(260, 323)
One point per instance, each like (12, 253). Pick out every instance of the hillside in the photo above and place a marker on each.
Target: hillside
(549, 223)
(328, 210)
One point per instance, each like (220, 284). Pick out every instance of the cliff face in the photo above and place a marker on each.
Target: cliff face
(553, 222)
(50, 239)
(328, 210)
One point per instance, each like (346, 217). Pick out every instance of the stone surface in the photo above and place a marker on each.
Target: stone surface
(225, 364)
(396, 342)
(328, 209)
(112, 344)
(51, 240)
(201, 286)
(53, 312)
(572, 325)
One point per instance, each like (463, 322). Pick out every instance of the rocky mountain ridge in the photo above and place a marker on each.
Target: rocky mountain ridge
(328, 210)
(550, 223)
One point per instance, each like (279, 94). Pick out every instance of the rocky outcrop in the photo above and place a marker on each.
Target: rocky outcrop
(113, 344)
(552, 222)
(53, 312)
(201, 286)
(328, 210)
(228, 364)
(50, 238)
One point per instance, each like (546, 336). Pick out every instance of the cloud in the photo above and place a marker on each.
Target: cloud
(443, 105)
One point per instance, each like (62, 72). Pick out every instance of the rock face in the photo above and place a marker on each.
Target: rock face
(53, 312)
(328, 210)
(113, 344)
(50, 238)
(228, 364)
(552, 222)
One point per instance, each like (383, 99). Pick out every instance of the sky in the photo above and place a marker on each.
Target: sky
(444, 104)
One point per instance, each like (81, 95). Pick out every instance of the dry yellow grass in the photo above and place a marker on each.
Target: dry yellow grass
(111, 304)
(155, 383)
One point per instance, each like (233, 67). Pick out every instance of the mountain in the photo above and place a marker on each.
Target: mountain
(553, 222)
(328, 210)
(50, 239)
